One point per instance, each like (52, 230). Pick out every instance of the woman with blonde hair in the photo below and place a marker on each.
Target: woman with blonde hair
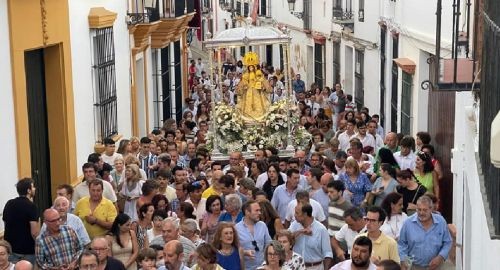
(5, 252)
(135, 146)
(131, 190)
(124, 147)
(117, 172)
(358, 186)
(229, 252)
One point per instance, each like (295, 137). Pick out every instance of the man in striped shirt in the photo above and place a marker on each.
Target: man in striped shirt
(58, 247)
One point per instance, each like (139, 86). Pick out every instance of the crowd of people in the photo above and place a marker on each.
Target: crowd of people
(356, 198)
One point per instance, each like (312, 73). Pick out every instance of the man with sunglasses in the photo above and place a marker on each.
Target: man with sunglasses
(253, 234)
(58, 247)
(384, 247)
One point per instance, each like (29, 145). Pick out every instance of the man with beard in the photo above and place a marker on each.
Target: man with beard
(173, 255)
(337, 206)
(361, 253)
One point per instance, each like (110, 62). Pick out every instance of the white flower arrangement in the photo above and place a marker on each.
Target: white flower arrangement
(233, 135)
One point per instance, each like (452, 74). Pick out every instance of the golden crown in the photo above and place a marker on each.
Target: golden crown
(251, 59)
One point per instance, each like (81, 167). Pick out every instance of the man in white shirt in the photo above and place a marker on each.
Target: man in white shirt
(347, 135)
(302, 196)
(199, 68)
(355, 225)
(366, 138)
(109, 155)
(372, 129)
(360, 259)
(406, 157)
(90, 174)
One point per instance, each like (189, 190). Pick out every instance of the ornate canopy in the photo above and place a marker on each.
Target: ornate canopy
(248, 36)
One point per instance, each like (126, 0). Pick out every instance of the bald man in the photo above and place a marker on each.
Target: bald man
(23, 265)
(100, 246)
(174, 256)
(62, 205)
(58, 247)
(391, 142)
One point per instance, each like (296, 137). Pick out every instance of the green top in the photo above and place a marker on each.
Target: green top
(426, 181)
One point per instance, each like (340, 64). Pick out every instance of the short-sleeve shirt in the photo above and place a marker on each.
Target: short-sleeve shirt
(317, 213)
(336, 216)
(82, 190)
(410, 196)
(348, 236)
(17, 215)
(105, 211)
(314, 247)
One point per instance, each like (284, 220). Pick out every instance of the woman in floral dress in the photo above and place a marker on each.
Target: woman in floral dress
(358, 186)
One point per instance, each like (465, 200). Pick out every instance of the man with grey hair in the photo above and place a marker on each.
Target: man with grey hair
(61, 205)
(302, 196)
(100, 246)
(170, 231)
(424, 241)
(233, 209)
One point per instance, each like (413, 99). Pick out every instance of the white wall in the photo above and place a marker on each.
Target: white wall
(83, 88)
(480, 251)
(8, 173)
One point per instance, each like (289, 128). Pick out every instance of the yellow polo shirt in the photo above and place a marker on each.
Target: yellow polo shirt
(106, 211)
(209, 192)
(384, 247)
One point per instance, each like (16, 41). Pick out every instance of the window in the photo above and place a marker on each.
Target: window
(246, 9)
(383, 37)
(307, 16)
(336, 62)
(406, 103)
(265, 8)
(319, 64)
(238, 8)
(394, 82)
(359, 77)
(342, 10)
(361, 11)
(104, 78)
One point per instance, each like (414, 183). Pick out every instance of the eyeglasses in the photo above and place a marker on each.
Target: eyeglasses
(88, 266)
(254, 243)
(272, 254)
(54, 220)
(370, 220)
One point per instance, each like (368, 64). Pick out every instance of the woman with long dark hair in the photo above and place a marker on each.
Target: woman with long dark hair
(274, 179)
(393, 206)
(410, 189)
(144, 223)
(123, 241)
(214, 208)
(270, 217)
(425, 174)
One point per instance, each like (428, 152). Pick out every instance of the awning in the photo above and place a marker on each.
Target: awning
(406, 64)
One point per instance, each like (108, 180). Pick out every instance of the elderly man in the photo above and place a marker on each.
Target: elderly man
(23, 265)
(232, 206)
(302, 196)
(174, 256)
(424, 239)
(236, 159)
(58, 247)
(88, 260)
(170, 232)
(100, 246)
(317, 193)
(96, 212)
(61, 205)
(253, 235)
(311, 239)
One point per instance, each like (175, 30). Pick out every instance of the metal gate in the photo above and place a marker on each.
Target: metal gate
(38, 128)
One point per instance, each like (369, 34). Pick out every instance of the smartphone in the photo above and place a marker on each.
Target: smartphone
(381, 188)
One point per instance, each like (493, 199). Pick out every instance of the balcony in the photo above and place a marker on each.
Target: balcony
(342, 16)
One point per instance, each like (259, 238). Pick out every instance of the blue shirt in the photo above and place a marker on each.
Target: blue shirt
(227, 217)
(315, 247)
(320, 196)
(299, 86)
(281, 198)
(424, 245)
(261, 238)
(358, 188)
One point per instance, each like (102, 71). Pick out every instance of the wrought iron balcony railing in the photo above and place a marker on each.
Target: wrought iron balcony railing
(342, 16)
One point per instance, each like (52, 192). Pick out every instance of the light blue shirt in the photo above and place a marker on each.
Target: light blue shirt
(424, 245)
(182, 267)
(76, 224)
(315, 247)
(261, 238)
(281, 198)
(320, 196)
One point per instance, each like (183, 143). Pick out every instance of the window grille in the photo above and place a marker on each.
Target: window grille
(359, 77)
(319, 65)
(336, 62)
(104, 77)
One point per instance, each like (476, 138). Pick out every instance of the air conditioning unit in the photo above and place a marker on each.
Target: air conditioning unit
(495, 141)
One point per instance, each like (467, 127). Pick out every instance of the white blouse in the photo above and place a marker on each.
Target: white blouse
(392, 227)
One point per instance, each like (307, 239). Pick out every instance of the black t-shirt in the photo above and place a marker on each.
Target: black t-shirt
(114, 264)
(410, 196)
(17, 215)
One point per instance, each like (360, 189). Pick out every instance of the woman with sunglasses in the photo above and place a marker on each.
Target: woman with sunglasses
(425, 174)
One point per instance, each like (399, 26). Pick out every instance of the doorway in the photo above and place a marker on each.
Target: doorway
(36, 94)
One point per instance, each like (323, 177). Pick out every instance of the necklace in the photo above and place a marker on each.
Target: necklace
(7, 267)
(225, 252)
